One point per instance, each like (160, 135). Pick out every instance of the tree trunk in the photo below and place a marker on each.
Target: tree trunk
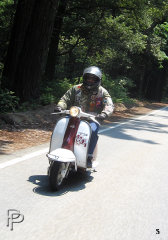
(34, 52)
(28, 49)
(53, 49)
(141, 81)
(21, 21)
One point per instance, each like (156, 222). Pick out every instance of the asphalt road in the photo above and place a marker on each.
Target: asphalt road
(126, 199)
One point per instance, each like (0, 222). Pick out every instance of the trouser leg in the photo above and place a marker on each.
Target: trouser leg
(94, 137)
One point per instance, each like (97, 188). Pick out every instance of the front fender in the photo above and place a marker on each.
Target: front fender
(62, 155)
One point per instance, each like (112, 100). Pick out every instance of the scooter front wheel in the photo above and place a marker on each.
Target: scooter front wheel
(57, 173)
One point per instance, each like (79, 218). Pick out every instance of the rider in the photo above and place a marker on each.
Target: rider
(92, 98)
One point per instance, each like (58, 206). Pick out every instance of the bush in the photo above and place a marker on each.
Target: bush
(118, 88)
(54, 91)
(47, 97)
(8, 102)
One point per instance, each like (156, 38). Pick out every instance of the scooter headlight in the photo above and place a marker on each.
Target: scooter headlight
(74, 111)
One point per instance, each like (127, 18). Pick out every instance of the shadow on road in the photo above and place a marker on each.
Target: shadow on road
(75, 182)
(121, 132)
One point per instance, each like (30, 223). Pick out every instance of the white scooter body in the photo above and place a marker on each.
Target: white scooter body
(69, 146)
(81, 144)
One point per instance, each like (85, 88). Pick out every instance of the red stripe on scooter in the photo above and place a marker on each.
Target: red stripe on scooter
(70, 134)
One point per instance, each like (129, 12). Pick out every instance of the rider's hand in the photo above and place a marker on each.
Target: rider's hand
(101, 117)
(57, 109)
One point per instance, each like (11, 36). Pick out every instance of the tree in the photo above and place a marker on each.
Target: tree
(125, 38)
(118, 36)
(31, 58)
(21, 22)
(7, 10)
(53, 48)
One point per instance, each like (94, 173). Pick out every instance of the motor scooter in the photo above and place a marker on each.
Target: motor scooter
(69, 146)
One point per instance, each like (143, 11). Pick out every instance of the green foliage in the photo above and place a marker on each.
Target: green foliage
(7, 10)
(8, 101)
(1, 68)
(26, 106)
(61, 87)
(127, 38)
(120, 37)
(47, 97)
(54, 91)
(118, 88)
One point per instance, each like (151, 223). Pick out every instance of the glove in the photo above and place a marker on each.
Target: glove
(101, 117)
(57, 109)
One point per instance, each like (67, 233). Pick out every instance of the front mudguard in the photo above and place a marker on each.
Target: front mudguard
(62, 155)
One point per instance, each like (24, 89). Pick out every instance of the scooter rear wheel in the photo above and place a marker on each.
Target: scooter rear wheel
(57, 175)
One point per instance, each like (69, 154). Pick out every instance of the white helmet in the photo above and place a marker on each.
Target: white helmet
(92, 77)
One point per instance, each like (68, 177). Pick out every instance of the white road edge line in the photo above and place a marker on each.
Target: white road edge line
(45, 150)
(21, 159)
(131, 120)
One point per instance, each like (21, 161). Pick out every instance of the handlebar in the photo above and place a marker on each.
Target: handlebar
(61, 112)
(81, 114)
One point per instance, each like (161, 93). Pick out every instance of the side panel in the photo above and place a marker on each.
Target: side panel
(58, 134)
(81, 144)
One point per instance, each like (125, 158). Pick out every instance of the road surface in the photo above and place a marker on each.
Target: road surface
(126, 199)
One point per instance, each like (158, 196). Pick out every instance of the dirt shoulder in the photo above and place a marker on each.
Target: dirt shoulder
(31, 128)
